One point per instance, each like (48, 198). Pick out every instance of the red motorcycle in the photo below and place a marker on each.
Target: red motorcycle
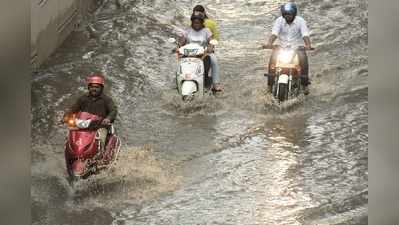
(83, 155)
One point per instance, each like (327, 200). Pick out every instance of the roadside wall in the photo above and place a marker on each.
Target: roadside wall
(51, 23)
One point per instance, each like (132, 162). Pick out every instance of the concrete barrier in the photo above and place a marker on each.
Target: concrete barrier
(51, 23)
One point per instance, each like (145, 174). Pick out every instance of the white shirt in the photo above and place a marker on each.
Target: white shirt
(201, 37)
(290, 34)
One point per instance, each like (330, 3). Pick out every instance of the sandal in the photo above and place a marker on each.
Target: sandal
(217, 87)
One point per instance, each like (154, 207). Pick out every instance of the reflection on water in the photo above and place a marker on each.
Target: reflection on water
(237, 158)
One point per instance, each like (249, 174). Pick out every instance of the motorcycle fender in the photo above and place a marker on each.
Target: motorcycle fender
(78, 168)
(188, 87)
(283, 79)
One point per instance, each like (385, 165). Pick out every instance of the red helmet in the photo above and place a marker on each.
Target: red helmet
(95, 79)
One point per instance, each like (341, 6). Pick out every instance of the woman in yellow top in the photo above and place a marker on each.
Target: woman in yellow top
(212, 26)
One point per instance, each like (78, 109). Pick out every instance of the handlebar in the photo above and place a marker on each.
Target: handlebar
(93, 125)
(270, 47)
(278, 46)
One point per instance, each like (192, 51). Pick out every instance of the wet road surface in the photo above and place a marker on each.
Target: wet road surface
(231, 159)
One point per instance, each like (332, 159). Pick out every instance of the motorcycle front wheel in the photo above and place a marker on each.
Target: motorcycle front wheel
(282, 94)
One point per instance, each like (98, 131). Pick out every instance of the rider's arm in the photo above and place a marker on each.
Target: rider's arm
(270, 42)
(272, 39)
(306, 39)
(305, 34)
(275, 32)
(210, 47)
(181, 41)
(209, 37)
(182, 38)
(112, 109)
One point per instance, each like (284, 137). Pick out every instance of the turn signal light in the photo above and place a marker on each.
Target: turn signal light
(70, 120)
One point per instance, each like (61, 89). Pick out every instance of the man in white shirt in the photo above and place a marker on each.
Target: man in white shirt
(291, 30)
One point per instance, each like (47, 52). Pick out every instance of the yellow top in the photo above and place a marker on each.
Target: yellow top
(212, 25)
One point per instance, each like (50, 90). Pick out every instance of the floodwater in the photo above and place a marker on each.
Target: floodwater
(236, 158)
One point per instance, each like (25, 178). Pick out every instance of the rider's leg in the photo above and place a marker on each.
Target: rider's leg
(304, 64)
(207, 67)
(215, 71)
(272, 70)
(102, 135)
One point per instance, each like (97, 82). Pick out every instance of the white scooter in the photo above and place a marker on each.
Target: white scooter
(192, 75)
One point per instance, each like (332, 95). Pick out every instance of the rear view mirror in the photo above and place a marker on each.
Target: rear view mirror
(171, 40)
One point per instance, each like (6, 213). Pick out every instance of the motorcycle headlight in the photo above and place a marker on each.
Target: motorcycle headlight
(286, 56)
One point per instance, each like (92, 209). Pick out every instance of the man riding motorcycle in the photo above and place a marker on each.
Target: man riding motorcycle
(97, 103)
(292, 31)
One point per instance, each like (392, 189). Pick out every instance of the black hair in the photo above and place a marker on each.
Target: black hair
(200, 8)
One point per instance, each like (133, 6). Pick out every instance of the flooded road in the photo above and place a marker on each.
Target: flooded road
(230, 159)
